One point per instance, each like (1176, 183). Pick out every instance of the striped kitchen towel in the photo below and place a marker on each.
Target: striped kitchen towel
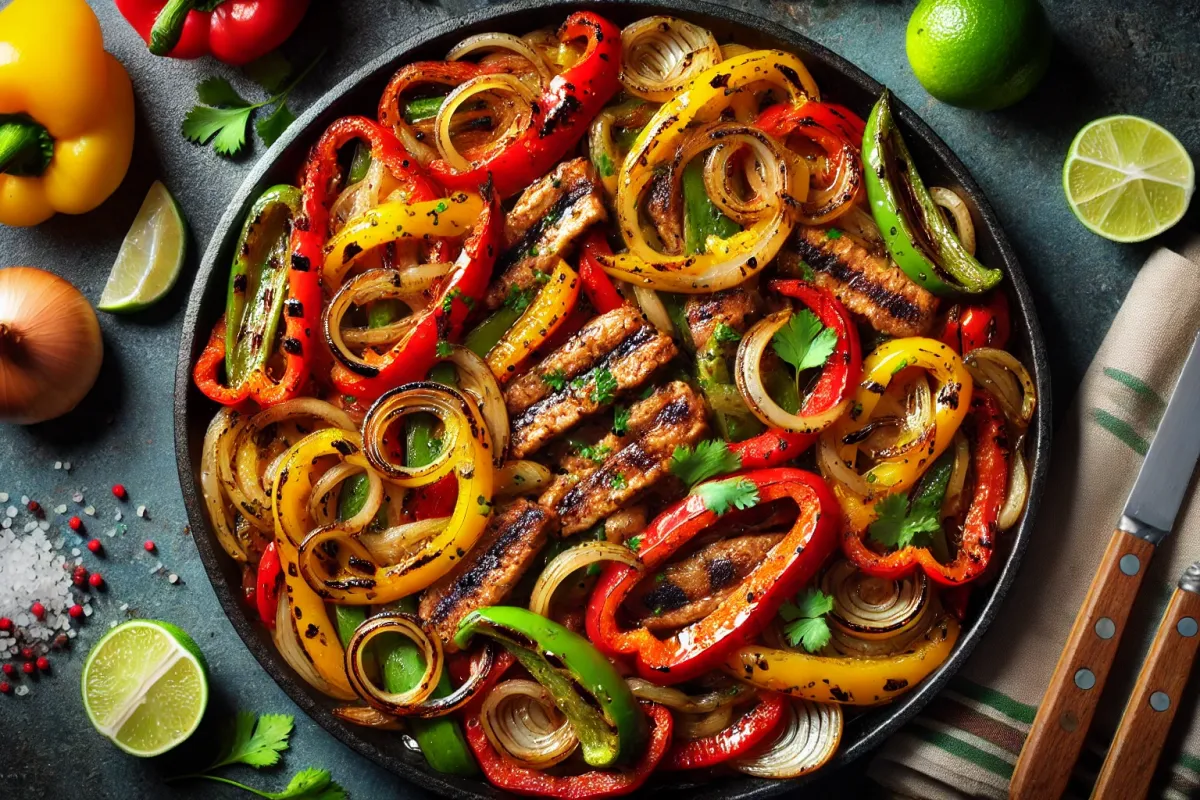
(966, 741)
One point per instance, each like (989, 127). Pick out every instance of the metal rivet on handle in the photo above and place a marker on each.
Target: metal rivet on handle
(1069, 722)
(1106, 628)
(1159, 701)
(1130, 564)
(1085, 679)
(1187, 627)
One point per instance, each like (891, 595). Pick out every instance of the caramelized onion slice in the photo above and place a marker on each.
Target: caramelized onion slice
(570, 560)
(808, 738)
(521, 721)
(659, 55)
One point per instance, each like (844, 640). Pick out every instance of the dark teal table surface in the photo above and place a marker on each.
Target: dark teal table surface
(1111, 57)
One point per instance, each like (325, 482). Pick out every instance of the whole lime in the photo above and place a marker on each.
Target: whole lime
(982, 54)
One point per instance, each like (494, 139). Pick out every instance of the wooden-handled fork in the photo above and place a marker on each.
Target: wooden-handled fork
(1066, 712)
(1140, 737)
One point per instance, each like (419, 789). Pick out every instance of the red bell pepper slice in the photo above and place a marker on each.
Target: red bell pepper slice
(412, 357)
(460, 665)
(839, 378)
(974, 326)
(236, 31)
(843, 166)
(560, 116)
(510, 776)
(597, 285)
(267, 583)
(207, 372)
(424, 73)
(741, 616)
(733, 742)
(989, 464)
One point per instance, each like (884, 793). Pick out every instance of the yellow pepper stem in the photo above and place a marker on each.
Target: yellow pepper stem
(26, 147)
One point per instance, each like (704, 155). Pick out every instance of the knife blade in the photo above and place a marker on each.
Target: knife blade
(1167, 469)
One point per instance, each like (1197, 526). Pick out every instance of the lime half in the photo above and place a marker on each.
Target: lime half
(1127, 178)
(151, 257)
(144, 686)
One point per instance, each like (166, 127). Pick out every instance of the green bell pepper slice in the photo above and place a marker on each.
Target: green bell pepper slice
(258, 282)
(701, 217)
(611, 728)
(918, 237)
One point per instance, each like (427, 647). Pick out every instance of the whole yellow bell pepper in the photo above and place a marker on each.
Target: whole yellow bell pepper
(66, 112)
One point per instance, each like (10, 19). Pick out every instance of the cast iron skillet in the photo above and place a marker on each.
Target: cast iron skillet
(359, 94)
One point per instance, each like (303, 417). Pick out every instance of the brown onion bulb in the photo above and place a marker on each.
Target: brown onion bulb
(50, 346)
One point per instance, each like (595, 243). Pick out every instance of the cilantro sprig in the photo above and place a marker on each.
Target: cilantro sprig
(708, 459)
(720, 496)
(257, 741)
(224, 115)
(806, 625)
(556, 379)
(900, 523)
(620, 420)
(804, 342)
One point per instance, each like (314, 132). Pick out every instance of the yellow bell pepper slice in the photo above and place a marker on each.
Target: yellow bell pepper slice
(387, 222)
(340, 568)
(952, 400)
(538, 322)
(66, 112)
(845, 680)
(290, 495)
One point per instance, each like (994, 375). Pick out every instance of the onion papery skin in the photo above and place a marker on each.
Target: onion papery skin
(50, 346)
(808, 738)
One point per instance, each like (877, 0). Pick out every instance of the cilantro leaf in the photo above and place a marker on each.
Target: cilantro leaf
(270, 72)
(443, 349)
(518, 299)
(310, 784)
(898, 526)
(225, 127)
(271, 127)
(220, 92)
(725, 334)
(720, 496)
(620, 420)
(618, 481)
(709, 459)
(257, 741)
(806, 624)
(804, 342)
(635, 544)
(605, 388)
(604, 164)
(556, 379)
(594, 453)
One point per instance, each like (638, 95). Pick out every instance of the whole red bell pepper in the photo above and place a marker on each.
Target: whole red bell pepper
(560, 116)
(733, 742)
(742, 615)
(234, 31)
(597, 285)
(266, 585)
(511, 776)
(984, 325)
(989, 462)
(411, 358)
(838, 379)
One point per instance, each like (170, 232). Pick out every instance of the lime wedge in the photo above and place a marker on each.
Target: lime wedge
(144, 686)
(151, 257)
(1127, 178)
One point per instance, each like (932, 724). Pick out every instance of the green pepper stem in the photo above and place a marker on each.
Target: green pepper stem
(26, 147)
(168, 26)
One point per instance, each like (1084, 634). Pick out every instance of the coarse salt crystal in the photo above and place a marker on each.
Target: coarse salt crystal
(61, 508)
(67, 466)
(141, 511)
(30, 527)
(87, 611)
(173, 578)
(77, 497)
(117, 516)
(44, 525)
(24, 499)
(58, 465)
(6, 523)
(75, 551)
(71, 633)
(124, 606)
(22, 690)
(90, 511)
(11, 511)
(111, 532)
(112, 624)
(3, 497)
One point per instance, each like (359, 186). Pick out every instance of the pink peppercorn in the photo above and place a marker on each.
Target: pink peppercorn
(94, 545)
(9, 669)
(6, 624)
(79, 576)
(27, 653)
(95, 581)
(149, 546)
(34, 507)
(76, 524)
(119, 492)
(5, 687)
(38, 610)
(43, 664)
(28, 667)
(76, 611)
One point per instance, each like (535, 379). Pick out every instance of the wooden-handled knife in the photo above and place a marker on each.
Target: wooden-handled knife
(1062, 721)
(1140, 737)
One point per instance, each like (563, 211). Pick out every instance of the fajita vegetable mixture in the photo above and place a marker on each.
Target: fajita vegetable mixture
(612, 403)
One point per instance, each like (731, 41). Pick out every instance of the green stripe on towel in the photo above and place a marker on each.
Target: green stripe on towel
(960, 749)
(1121, 429)
(993, 699)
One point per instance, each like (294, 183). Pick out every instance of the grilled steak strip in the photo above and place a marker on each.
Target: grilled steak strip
(548, 217)
(689, 590)
(623, 351)
(489, 571)
(674, 415)
(869, 285)
(734, 307)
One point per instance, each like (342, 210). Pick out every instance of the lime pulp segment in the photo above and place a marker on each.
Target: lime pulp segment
(151, 256)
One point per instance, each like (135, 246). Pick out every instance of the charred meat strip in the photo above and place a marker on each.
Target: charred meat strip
(704, 312)
(548, 217)
(486, 574)
(674, 415)
(869, 285)
(611, 355)
(689, 590)
(664, 207)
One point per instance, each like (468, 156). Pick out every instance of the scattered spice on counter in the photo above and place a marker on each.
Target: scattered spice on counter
(75, 524)
(94, 545)
(119, 492)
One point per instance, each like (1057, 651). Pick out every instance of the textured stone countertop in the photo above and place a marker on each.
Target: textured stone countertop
(1110, 57)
